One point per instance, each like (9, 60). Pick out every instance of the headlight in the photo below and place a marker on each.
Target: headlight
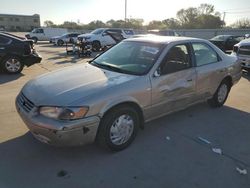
(63, 113)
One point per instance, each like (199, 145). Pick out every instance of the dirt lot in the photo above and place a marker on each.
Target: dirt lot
(168, 153)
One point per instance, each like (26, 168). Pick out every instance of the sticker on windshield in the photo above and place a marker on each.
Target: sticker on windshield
(152, 50)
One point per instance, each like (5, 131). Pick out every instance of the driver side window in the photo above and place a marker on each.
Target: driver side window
(177, 59)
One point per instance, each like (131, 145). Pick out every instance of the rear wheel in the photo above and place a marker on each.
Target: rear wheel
(12, 65)
(118, 128)
(221, 94)
(60, 42)
(34, 39)
(96, 46)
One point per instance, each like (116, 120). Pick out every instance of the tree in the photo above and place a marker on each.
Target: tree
(95, 24)
(155, 24)
(242, 23)
(171, 23)
(134, 23)
(48, 23)
(206, 9)
(199, 18)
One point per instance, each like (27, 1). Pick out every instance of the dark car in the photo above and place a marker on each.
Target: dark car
(16, 52)
(226, 42)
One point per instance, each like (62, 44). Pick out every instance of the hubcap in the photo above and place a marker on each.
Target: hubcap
(222, 93)
(121, 130)
(13, 65)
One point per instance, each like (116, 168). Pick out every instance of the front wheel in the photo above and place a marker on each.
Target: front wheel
(221, 94)
(118, 128)
(96, 46)
(12, 65)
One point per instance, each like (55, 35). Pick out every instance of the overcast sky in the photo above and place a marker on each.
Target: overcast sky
(89, 10)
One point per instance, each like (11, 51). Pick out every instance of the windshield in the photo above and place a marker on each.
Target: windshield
(220, 37)
(34, 31)
(129, 57)
(97, 31)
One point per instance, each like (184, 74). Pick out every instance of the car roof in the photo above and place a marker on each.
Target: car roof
(11, 36)
(116, 28)
(164, 39)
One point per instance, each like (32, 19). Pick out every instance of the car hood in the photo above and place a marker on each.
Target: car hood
(87, 35)
(245, 42)
(56, 37)
(63, 87)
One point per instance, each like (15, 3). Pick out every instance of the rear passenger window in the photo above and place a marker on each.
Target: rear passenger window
(128, 32)
(4, 40)
(204, 54)
(177, 59)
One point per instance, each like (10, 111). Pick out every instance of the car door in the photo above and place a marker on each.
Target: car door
(173, 84)
(40, 34)
(107, 39)
(4, 42)
(209, 67)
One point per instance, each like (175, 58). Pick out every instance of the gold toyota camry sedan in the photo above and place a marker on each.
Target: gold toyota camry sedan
(109, 99)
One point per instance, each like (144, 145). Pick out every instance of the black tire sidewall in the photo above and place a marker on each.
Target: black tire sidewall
(108, 121)
(34, 39)
(214, 102)
(60, 42)
(96, 46)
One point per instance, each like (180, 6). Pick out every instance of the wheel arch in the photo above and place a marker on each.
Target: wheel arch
(132, 104)
(229, 79)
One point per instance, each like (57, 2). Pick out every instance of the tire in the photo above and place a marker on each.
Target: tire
(60, 42)
(12, 65)
(221, 94)
(71, 40)
(123, 134)
(96, 46)
(34, 39)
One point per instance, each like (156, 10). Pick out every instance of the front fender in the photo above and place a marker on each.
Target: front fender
(117, 102)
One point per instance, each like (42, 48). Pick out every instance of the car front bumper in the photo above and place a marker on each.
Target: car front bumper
(59, 133)
(245, 62)
(32, 59)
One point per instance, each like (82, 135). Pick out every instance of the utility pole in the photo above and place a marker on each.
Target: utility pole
(224, 15)
(125, 12)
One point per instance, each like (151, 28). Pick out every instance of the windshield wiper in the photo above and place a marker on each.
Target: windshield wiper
(109, 67)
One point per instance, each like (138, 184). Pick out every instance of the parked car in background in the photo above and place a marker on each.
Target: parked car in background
(16, 52)
(226, 42)
(138, 80)
(65, 38)
(242, 50)
(166, 32)
(101, 38)
(45, 33)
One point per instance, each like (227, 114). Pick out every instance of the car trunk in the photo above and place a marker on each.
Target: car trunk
(28, 47)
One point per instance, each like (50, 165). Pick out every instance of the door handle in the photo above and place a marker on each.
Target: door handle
(2, 48)
(189, 80)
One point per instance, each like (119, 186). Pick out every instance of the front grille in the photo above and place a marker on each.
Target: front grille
(244, 50)
(25, 103)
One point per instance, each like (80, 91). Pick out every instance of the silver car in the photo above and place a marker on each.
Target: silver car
(109, 99)
(242, 50)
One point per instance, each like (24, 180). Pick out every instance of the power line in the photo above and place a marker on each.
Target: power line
(238, 12)
(236, 9)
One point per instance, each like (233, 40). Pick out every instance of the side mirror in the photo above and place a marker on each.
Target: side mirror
(104, 34)
(157, 73)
